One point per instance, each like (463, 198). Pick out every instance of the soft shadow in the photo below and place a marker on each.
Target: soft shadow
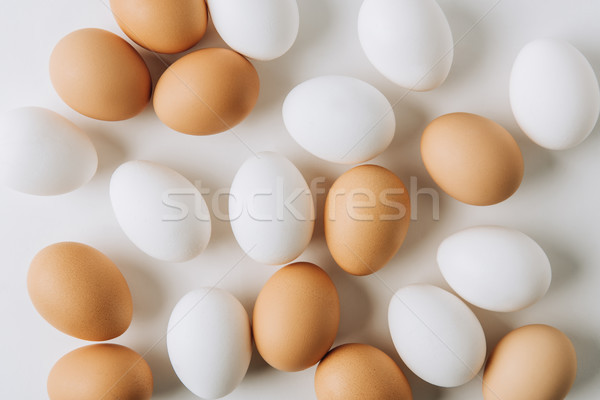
(494, 326)
(588, 359)
(315, 16)
(165, 379)
(111, 153)
(539, 162)
(258, 366)
(564, 266)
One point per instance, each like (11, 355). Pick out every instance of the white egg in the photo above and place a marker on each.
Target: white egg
(271, 209)
(259, 29)
(160, 211)
(495, 268)
(554, 94)
(339, 119)
(437, 336)
(43, 153)
(209, 342)
(408, 41)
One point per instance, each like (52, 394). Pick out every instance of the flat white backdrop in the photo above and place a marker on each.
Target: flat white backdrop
(557, 203)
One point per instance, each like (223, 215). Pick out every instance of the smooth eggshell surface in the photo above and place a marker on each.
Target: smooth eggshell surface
(100, 75)
(437, 336)
(367, 213)
(339, 119)
(534, 362)
(296, 317)
(360, 372)
(554, 94)
(209, 342)
(160, 211)
(259, 29)
(472, 158)
(207, 91)
(80, 291)
(101, 371)
(43, 153)
(495, 268)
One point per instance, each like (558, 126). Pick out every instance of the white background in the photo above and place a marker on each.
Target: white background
(557, 204)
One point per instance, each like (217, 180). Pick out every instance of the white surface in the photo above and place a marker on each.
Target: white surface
(557, 203)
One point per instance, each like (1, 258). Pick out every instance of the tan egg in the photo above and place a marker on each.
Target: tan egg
(534, 362)
(296, 317)
(360, 372)
(80, 291)
(472, 158)
(206, 92)
(162, 26)
(367, 213)
(100, 75)
(100, 371)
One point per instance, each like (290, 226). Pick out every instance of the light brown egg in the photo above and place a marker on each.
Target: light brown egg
(472, 158)
(162, 26)
(296, 317)
(534, 362)
(367, 213)
(360, 372)
(80, 291)
(206, 92)
(100, 371)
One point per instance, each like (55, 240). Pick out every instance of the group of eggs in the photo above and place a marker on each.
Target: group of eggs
(336, 118)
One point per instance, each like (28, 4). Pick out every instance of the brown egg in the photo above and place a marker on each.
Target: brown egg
(100, 75)
(79, 291)
(360, 372)
(534, 362)
(100, 371)
(296, 317)
(206, 92)
(472, 158)
(367, 213)
(162, 26)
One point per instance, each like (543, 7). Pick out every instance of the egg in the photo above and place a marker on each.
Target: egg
(367, 213)
(209, 343)
(472, 158)
(296, 317)
(534, 362)
(163, 27)
(260, 29)
(100, 75)
(160, 211)
(407, 41)
(100, 371)
(437, 336)
(495, 268)
(207, 91)
(339, 119)
(360, 372)
(554, 94)
(271, 209)
(80, 291)
(43, 153)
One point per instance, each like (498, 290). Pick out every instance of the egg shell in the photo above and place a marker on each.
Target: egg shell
(407, 41)
(162, 26)
(437, 336)
(472, 158)
(495, 268)
(160, 211)
(554, 94)
(209, 342)
(296, 317)
(339, 119)
(367, 214)
(360, 372)
(100, 371)
(534, 362)
(260, 29)
(271, 209)
(43, 153)
(100, 75)
(80, 291)
(206, 92)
